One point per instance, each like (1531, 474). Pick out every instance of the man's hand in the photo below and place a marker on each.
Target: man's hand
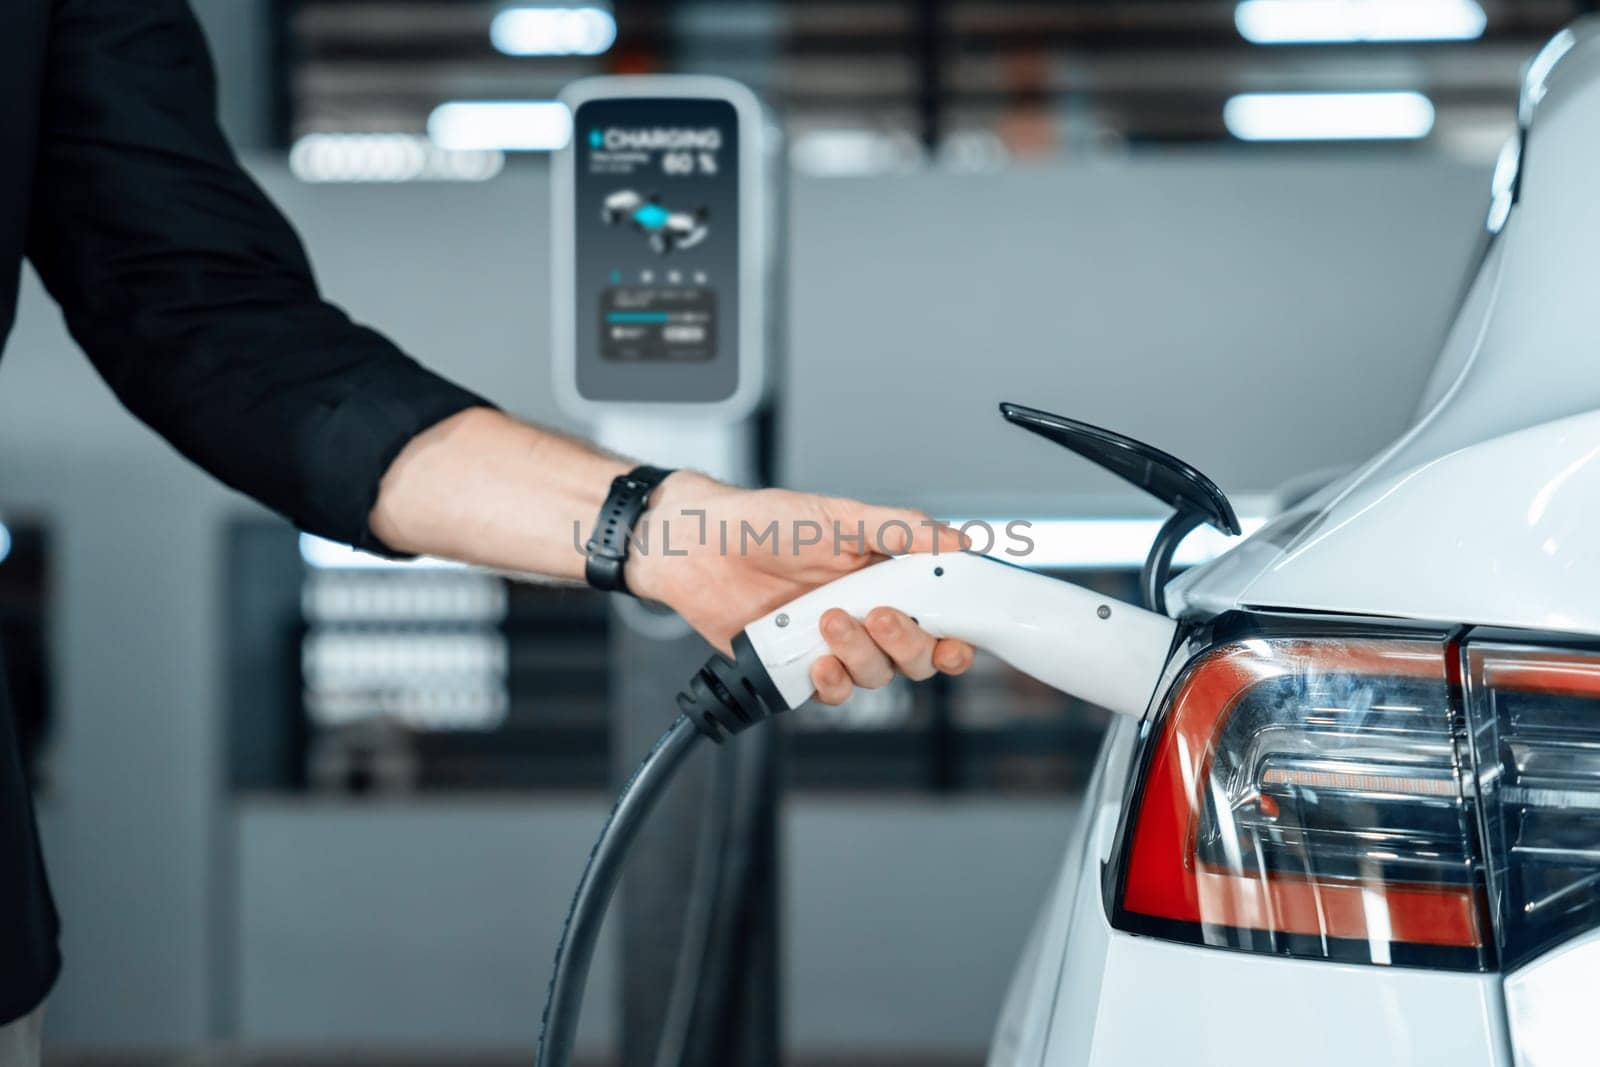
(722, 557)
(482, 488)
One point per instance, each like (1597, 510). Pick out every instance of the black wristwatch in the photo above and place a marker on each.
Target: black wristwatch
(607, 547)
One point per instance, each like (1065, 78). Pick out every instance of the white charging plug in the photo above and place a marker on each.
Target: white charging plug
(1070, 638)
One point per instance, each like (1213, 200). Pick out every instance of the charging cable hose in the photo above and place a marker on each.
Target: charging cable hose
(699, 946)
(724, 697)
(1070, 638)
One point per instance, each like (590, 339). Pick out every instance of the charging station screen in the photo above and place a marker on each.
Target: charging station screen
(656, 193)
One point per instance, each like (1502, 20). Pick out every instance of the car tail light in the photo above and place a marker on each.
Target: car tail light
(1303, 796)
(1534, 718)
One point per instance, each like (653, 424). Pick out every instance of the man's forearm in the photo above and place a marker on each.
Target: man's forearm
(483, 488)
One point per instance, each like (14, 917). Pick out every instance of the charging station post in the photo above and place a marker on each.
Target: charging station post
(663, 275)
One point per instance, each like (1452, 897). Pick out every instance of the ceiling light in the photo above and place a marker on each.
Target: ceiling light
(1350, 21)
(1086, 543)
(853, 153)
(508, 125)
(553, 31)
(387, 157)
(1328, 116)
(324, 554)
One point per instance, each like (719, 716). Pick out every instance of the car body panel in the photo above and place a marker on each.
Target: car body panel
(1202, 1007)
(1477, 512)
(1062, 947)
(651, 216)
(1498, 533)
(1088, 995)
(1482, 512)
(1550, 1004)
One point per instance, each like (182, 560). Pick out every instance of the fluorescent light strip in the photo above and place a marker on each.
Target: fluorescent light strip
(1353, 21)
(5, 542)
(1328, 116)
(503, 125)
(387, 157)
(852, 153)
(323, 554)
(1082, 544)
(553, 31)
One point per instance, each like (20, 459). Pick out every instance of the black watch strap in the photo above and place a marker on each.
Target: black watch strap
(607, 547)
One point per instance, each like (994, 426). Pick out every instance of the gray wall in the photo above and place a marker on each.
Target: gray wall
(1260, 318)
(433, 924)
(409, 924)
(1303, 293)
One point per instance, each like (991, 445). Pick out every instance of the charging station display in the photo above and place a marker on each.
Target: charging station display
(656, 206)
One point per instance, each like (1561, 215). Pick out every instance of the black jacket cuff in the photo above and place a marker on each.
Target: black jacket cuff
(361, 439)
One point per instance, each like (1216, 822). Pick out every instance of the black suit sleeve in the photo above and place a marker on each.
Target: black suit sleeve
(189, 291)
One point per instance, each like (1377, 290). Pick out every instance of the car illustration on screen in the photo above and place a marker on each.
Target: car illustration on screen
(668, 230)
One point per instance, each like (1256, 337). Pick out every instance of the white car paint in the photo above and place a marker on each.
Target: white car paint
(1497, 533)
(1550, 1003)
(1086, 994)
(1483, 512)
(1480, 511)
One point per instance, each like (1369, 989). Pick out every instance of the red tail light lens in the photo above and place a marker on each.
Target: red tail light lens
(1534, 718)
(1303, 797)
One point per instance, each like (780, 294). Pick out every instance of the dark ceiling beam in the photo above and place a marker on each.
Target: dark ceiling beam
(1152, 69)
(928, 52)
(421, 101)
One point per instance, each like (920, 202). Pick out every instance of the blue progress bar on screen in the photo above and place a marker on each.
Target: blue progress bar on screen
(636, 316)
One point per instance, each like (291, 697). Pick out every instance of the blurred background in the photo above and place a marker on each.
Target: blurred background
(301, 808)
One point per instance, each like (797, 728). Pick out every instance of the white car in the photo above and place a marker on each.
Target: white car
(1360, 823)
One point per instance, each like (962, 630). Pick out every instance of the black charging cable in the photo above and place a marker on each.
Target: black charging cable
(723, 698)
(697, 940)
(1158, 564)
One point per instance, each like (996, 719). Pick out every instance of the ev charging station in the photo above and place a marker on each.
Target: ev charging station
(663, 265)
(665, 204)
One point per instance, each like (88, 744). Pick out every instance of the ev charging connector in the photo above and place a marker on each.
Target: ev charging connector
(1090, 646)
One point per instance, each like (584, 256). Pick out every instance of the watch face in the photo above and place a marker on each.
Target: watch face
(656, 194)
